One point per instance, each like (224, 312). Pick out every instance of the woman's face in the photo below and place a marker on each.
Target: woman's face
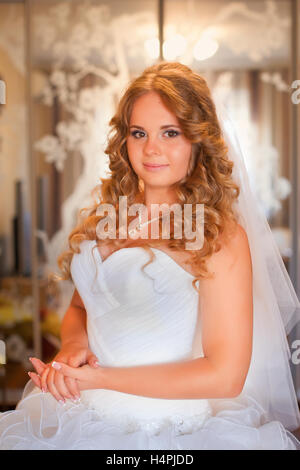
(155, 138)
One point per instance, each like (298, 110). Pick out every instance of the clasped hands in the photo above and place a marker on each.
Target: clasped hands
(74, 368)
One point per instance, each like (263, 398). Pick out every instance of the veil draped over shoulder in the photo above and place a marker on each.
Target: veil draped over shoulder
(276, 308)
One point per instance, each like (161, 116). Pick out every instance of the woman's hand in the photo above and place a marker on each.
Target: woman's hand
(48, 379)
(87, 377)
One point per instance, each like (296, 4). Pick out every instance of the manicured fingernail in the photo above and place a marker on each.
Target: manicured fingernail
(62, 402)
(55, 365)
(44, 390)
(97, 364)
(76, 400)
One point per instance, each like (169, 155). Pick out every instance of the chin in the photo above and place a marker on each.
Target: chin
(155, 179)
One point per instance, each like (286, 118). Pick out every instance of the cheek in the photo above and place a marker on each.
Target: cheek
(134, 156)
(133, 150)
(181, 157)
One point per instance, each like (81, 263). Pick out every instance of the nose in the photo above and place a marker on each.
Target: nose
(151, 146)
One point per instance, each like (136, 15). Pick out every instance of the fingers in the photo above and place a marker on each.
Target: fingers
(52, 388)
(49, 380)
(75, 373)
(66, 386)
(73, 361)
(55, 383)
(35, 379)
(61, 386)
(57, 394)
(44, 379)
(38, 365)
(92, 360)
(72, 386)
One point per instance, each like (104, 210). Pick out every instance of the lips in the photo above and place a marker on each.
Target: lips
(155, 165)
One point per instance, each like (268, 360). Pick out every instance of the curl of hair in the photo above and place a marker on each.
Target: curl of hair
(208, 180)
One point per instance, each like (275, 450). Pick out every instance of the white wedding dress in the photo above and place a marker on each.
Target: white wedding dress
(136, 318)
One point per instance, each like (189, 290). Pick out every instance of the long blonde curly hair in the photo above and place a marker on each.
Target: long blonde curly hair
(208, 180)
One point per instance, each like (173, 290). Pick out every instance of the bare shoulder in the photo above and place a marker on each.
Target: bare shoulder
(234, 247)
(235, 237)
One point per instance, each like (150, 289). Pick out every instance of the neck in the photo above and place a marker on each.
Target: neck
(158, 196)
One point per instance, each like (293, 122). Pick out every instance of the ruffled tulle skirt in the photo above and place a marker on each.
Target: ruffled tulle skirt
(39, 422)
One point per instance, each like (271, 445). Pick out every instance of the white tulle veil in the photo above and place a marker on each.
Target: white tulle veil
(276, 306)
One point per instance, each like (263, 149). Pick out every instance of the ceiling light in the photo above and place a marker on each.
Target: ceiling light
(174, 47)
(205, 47)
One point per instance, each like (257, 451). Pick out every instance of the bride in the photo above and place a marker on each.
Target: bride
(185, 349)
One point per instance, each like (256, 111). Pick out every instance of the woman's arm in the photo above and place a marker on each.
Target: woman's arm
(74, 351)
(226, 325)
(73, 326)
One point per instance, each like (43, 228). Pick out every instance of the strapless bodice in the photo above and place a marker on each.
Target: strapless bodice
(137, 317)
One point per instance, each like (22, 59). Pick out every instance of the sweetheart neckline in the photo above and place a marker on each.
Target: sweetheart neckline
(168, 257)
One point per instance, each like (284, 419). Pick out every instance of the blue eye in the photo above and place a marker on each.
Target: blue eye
(135, 134)
(173, 132)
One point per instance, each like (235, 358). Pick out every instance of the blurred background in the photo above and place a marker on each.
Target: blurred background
(63, 66)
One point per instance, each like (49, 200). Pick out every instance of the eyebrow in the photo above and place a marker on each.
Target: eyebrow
(161, 127)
